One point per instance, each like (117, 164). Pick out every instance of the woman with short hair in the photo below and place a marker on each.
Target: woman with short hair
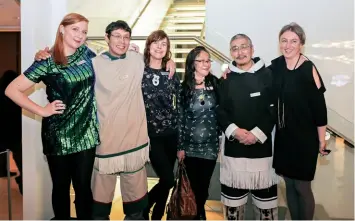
(301, 123)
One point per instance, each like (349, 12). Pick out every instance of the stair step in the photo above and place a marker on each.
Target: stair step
(189, 3)
(179, 60)
(180, 50)
(183, 42)
(184, 18)
(188, 8)
(180, 70)
(183, 27)
(197, 34)
(174, 19)
(187, 13)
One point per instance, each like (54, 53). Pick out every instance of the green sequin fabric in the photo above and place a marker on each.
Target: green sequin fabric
(77, 128)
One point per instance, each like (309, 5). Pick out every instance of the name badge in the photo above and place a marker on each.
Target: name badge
(123, 77)
(164, 73)
(255, 94)
(81, 62)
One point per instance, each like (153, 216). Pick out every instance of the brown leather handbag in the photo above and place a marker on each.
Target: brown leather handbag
(182, 204)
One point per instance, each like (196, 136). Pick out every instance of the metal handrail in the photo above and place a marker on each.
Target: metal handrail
(222, 58)
(335, 132)
(140, 14)
(203, 30)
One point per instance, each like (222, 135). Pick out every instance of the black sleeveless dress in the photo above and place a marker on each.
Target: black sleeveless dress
(301, 109)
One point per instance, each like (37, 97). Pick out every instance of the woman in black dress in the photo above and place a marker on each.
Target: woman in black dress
(301, 123)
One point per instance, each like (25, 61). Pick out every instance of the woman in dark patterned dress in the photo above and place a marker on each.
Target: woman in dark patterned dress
(198, 131)
(69, 125)
(162, 101)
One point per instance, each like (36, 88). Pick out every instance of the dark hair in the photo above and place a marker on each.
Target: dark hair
(153, 37)
(58, 48)
(189, 83)
(118, 25)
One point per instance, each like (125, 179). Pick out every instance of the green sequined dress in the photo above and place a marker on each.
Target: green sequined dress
(77, 128)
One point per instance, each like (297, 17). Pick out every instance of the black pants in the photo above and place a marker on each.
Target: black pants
(300, 199)
(16, 149)
(77, 168)
(199, 172)
(162, 156)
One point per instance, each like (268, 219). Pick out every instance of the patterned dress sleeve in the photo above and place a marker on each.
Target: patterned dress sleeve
(37, 71)
(180, 110)
(90, 53)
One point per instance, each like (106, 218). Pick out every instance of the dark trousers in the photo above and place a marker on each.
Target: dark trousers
(16, 149)
(300, 199)
(199, 172)
(162, 155)
(76, 168)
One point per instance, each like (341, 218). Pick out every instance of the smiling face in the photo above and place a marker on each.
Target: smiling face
(290, 44)
(241, 51)
(74, 35)
(158, 49)
(118, 42)
(202, 64)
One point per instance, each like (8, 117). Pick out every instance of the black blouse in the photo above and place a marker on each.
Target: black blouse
(199, 131)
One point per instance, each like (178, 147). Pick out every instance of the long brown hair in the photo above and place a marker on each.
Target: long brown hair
(156, 36)
(58, 48)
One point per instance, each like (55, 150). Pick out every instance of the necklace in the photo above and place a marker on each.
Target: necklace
(201, 98)
(281, 119)
(200, 82)
(297, 62)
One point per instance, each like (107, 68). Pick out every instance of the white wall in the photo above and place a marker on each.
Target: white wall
(329, 27)
(102, 12)
(39, 22)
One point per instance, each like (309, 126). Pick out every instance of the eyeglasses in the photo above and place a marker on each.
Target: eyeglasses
(242, 48)
(204, 62)
(123, 38)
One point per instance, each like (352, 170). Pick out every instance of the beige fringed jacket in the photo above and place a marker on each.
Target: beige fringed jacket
(123, 126)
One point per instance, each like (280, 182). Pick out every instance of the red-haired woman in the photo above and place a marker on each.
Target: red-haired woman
(69, 125)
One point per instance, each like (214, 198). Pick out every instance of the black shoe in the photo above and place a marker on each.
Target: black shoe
(146, 214)
(101, 211)
(201, 216)
(2, 175)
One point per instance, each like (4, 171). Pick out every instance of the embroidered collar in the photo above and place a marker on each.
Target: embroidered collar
(113, 58)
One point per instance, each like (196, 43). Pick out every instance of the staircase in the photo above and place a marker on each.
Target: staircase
(184, 18)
